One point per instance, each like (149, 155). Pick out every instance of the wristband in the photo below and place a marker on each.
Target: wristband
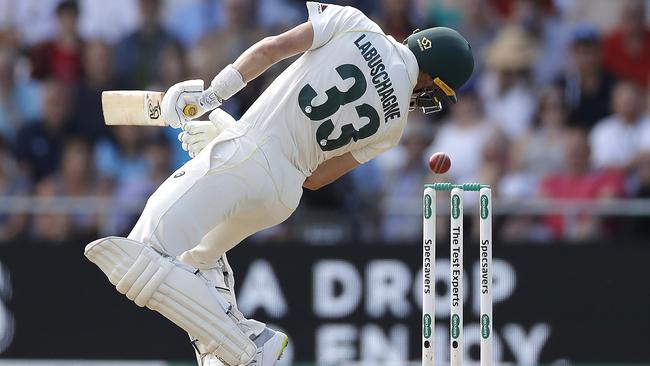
(227, 83)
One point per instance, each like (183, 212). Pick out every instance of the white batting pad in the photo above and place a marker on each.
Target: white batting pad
(174, 290)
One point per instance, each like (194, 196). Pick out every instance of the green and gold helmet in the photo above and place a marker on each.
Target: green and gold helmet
(447, 57)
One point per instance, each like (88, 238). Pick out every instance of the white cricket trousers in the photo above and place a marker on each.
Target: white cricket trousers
(234, 188)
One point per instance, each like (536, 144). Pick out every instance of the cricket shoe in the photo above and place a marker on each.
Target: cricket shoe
(270, 346)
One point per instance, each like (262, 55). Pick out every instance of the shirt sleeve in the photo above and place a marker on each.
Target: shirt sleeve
(328, 20)
(371, 150)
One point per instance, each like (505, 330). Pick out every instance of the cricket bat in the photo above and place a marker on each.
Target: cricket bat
(136, 108)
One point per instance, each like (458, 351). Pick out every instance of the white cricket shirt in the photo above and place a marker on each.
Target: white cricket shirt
(348, 93)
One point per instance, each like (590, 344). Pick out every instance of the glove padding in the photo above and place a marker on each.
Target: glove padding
(185, 101)
(197, 134)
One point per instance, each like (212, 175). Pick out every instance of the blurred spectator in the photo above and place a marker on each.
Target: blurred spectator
(494, 158)
(478, 26)
(137, 57)
(221, 47)
(172, 66)
(602, 13)
(587, 86)
(156, 167)
(30, 21)
(506, 87)
(505, 8)
(189, 20)
(329, 215)
(544, 24)
(53, 228)
(394, 18)
(463, 137)
(108, 21)
(120, 160)
(627, 48)
(541, 150)
(403, 183)
(579, 180)
(278, 15)
(616, 140)
(641, 226)
(17, 96)
(533, 155)
(76, 178)
(439, 13)
(12, 183)
(157, 154)
(474, 19)
(39, 144)
(60, 58)
(88, 120)
(367, 180)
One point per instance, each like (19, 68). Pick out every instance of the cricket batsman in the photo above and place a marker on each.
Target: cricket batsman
(343, 102)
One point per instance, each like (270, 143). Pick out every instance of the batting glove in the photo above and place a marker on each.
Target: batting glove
(187, 100)
(196, 135)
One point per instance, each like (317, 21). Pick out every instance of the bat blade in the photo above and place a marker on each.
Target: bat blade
(132, 107)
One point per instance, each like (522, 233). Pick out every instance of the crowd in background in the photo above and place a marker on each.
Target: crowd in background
(555, 109)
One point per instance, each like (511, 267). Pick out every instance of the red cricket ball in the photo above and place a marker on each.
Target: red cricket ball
(439, 163)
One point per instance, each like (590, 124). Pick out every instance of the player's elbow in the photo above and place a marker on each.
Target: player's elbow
(313, 184)
(271, 48)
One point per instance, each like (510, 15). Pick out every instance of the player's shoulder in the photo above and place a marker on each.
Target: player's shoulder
(330, 9)
(396, 126)
(397, 129)
(404, 63)
(350, 14)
